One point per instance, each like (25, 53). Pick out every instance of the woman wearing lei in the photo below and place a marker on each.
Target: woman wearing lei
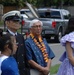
(38, 52)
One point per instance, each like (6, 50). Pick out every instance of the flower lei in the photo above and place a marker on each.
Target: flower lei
(41, 46)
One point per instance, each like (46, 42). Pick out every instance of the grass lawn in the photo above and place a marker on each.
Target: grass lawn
(54, 69)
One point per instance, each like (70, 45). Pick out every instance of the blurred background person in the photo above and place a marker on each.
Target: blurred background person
(8, 47)
(1, 31)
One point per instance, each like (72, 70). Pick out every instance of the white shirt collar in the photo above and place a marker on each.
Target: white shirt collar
(12, 32)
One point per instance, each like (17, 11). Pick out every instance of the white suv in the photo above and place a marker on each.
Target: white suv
(26, 13)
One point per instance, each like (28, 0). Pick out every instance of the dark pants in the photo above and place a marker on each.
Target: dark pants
(25, 72)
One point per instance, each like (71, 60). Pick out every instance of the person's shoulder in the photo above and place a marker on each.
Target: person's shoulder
(19, 34)
(28, 39)
(2, 58)
(71, 33)
(68, 37)
(44, 39)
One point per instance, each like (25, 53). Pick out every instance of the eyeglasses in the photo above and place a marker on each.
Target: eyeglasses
(37, 26)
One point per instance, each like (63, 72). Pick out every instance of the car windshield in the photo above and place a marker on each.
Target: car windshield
(23, 12)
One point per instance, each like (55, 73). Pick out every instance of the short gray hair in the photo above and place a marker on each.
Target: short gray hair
(34, 21)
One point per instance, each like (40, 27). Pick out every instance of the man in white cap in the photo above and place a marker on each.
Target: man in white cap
(12, 21)
(39, 54)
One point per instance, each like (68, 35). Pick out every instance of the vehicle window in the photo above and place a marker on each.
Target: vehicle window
(55, 14)
(51, 14)
(23, 12)
(47, 14)
(67, 16)
(42, 14)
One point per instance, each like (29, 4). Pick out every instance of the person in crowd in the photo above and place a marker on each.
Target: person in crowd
(67, 59)
(1, 30)
(12, 21)
(8, 47)
(38, 52)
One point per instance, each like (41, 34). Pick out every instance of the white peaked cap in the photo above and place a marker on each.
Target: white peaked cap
(11, 13)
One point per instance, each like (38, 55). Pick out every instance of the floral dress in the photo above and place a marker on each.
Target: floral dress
(66, 68)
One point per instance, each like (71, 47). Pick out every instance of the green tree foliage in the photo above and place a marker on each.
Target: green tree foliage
(38, 3)
(7, 2)
(19, 3)
(69, 2)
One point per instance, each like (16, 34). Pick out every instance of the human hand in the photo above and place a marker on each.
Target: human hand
(45, 71)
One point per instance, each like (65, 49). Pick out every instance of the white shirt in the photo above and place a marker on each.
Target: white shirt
(1, 60)
(12, 32)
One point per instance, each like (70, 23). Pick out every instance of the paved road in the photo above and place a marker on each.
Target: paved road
(58, 51)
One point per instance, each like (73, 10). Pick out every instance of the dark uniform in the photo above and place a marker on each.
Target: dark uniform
(20, 55)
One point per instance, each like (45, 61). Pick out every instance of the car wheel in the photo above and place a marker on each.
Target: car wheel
(59, 36)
